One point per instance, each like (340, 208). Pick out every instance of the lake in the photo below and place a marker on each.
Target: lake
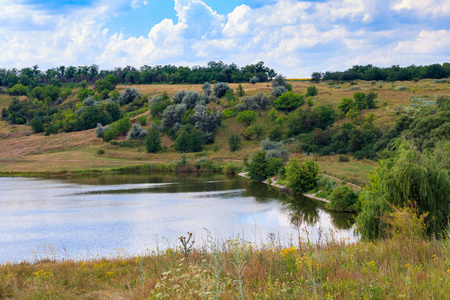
(122, 215)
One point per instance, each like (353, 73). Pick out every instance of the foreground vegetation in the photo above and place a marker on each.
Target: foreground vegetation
(405, 265)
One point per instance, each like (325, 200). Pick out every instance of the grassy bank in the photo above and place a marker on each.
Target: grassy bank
(404, 266)
(184, 165)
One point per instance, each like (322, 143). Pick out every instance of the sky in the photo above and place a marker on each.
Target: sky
(293, 37)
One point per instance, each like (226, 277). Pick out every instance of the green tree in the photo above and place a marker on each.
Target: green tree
(343, 199)
(301, 177)
(345, 105)
(247, 117)
(197, 139)
(183, 141)
(240, 91)
(153, 141)
(407, 177)
(235, 142)
(258, 167)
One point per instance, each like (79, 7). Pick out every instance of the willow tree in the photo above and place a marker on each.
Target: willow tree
(407, 177)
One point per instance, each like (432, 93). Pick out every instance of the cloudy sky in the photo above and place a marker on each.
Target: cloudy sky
(293, 37)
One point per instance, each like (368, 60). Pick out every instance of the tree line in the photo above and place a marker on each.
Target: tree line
(213, 72)
(393, 73)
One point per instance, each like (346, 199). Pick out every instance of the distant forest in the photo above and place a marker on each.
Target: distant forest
(394, 73)
(213, 72)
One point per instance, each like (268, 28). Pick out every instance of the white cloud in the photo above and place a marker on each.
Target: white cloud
(435, 8)
(293, 37)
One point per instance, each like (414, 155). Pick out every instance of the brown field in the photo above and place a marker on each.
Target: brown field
(23, 151)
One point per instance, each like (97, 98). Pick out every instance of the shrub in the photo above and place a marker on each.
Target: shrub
(345, 105)
(234, 141)
(37, 125)
(342, 199)
(127, 96)
(278, 91)
(240, 91)
(142, 120)
(248, 133)
(153, 141)
(183, 141)
(220, 89)
(246, 117)
(254, 79)
(274, 165)
(157, 106)
(207, 121)
(259, 131)
(289, 101)
(301, 177)
(136, 132)
(173, 117)
(309, 101)
(177, 98)
(123, 126)
(101, 152)
(92, 115)
(84, 93)
(258, 167)
(18, 90)
(279, 80)
(275, 149)
(354, 88)
(400, 88)
(109, 135)
(276, 133)
(190, 99)
(99, 130)
(343, 158)
(206, 87)
(311, 91)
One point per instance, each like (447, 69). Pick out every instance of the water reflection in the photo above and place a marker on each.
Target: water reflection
(95, 215)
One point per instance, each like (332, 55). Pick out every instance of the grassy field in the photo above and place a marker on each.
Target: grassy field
(23, 151)
(406, 266)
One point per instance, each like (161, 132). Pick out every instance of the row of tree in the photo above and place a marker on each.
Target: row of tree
(393, 73)
(213, 72)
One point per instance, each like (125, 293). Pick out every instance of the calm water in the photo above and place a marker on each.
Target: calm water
(81, 218)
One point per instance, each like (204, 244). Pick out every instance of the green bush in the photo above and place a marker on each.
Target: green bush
(258, 167)
(109, 135)
(342, 199)
(289, 101)
(301, 177)
(246, 117)
(274, 165)
(311, 91)
(142, 120)
(234, 141)
(101, 152)
(123, 126)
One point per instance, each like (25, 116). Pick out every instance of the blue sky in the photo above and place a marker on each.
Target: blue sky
(293, 37)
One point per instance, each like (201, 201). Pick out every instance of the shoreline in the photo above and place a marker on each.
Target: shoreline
(283, 188)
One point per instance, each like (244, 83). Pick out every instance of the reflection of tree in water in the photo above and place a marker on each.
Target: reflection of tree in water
(302, 210)
(342, 220)
(260, 191)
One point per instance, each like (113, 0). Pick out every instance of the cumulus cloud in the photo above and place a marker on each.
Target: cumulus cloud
(435, 8)
(293, 37)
